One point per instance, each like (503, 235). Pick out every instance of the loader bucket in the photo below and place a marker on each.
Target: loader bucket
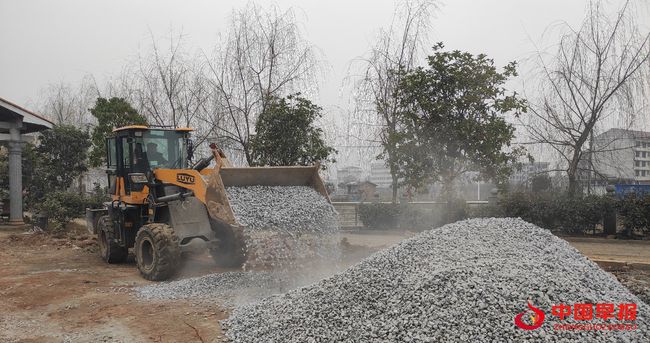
(234, 243)
(274, 176)
(216, 195)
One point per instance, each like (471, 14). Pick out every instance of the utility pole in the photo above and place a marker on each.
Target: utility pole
(591, 150)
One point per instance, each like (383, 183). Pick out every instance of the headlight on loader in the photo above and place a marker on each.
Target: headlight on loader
(138, 178)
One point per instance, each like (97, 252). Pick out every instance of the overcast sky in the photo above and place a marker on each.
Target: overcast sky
(44, 41)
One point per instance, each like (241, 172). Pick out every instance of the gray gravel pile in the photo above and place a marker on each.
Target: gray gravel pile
(282, 251)
(286, 226)
(291, 209)
(229, 289)
(463, 282)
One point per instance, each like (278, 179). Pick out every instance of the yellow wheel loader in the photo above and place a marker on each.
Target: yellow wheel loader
(162, 206)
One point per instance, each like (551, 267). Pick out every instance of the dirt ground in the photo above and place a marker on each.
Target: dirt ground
(53, 290)
(59, 290)
(629, 251)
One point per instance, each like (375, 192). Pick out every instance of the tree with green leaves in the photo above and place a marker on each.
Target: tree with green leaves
(453, 120)
(286, 134)
(60, 157)
(110, 114)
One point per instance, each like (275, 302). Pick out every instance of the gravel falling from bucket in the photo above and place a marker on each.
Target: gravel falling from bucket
(286, 226)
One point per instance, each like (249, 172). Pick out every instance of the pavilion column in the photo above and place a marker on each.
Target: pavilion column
(15, 178)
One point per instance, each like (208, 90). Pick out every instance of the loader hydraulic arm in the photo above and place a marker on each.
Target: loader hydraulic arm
(187, 178)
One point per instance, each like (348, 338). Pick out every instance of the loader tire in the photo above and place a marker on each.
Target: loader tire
(231, 249)
(157, 251)
(109, 249)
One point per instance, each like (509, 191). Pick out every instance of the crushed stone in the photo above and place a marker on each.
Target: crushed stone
(463, 282)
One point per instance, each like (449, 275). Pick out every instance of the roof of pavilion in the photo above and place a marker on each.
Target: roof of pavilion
(32, 122)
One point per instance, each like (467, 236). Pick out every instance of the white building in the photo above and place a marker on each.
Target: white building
(527, 172)
(348, 174)
(621, 155)
(380, 174)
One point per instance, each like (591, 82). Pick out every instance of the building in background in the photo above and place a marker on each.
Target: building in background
(89, 180)
(523, 176)
(380, 174)
(620, 156)
(348, 174)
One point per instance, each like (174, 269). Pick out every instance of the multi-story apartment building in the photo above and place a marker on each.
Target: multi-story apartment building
(619, 155)
(380, 174)
(527, 172)
(349, 174)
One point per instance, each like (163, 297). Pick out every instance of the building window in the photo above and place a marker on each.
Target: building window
(643, 154)
(636, 154)
(637, 163)
(636, 173)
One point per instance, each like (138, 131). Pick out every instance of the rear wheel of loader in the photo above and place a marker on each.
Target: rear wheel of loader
(110, 251)
(157, 252)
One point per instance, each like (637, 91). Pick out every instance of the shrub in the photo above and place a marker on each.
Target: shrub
(556, 212)
(410, 216)
(61, 207)
(413, 218)
(485, 211)
(379, 216)
(580, 214)
(97, 198)
(454, 211)
(634, 211)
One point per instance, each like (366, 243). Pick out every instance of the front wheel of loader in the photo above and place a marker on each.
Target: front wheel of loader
(157, 251)
(109, 249)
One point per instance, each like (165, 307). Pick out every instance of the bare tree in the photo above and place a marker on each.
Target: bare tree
(595, 79)
(263, 55)
(168, 86)
(397, 51)
(68, 105)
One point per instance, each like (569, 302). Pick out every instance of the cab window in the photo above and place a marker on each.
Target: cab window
(111, 159)
(165, 149)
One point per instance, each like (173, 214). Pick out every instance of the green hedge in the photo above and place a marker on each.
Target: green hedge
(556, 212)
(409, 216)
(379, 216)
(62, 207)
(551, 211)
(634, 212)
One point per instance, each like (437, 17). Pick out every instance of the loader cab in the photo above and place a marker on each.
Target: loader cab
(135, 151)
